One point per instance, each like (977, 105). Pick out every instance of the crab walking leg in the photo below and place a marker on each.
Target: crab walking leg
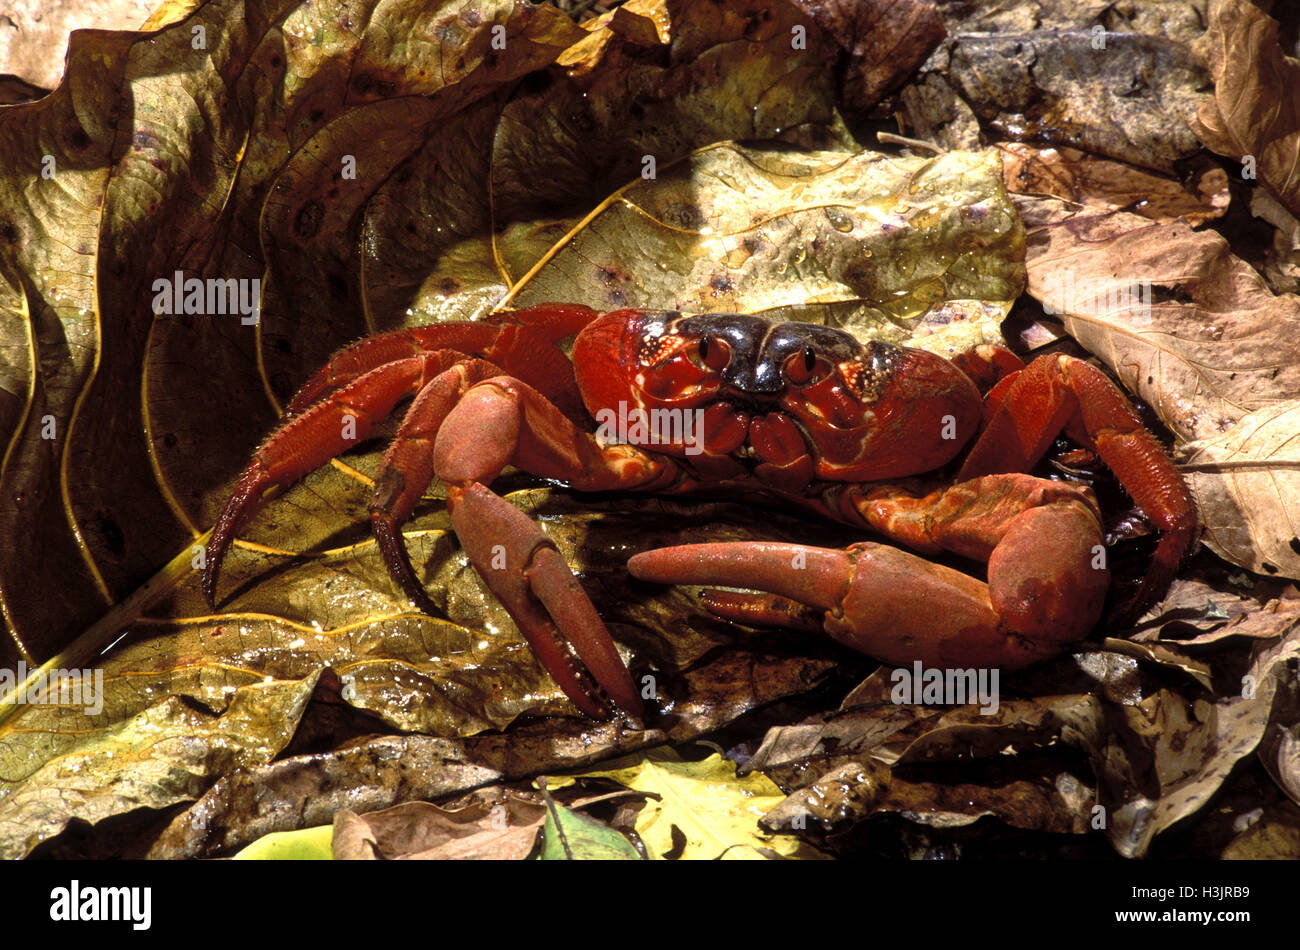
(521, 342)
(355, 361)
(315, 436)
(1042, 591)
(1060, 392)
(407, 470)
(500, 422)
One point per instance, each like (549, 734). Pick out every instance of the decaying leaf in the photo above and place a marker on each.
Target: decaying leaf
(877, 757)
(1212, 601)
(377, 772)
(1104, 183)
(1156, 757)
(1253, 115)
(67, 764)
(34, 34)
(884, 41)
(494, 825)
(1281, 266)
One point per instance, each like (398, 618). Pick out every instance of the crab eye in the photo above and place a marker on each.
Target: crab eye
(801, 367)
(714, 353)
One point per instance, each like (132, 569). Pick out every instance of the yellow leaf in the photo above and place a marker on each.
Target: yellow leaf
(716, 811)
(309, 844)
(169, 12)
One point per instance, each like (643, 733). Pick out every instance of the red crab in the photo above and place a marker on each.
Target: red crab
(802, 412)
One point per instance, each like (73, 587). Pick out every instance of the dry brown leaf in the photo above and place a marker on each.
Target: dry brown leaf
(34, 33)
(884, 41)
(1281, 267)
(1247, 484)
(1254, 111)
(641, 22)
(1103, 183)
(1214, 352)
(1211, 595)
(497, 824)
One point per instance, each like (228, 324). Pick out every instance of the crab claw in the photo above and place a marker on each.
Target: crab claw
(900, 608)
(522, 567)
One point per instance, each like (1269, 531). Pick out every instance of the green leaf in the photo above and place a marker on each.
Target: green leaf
(571, 836)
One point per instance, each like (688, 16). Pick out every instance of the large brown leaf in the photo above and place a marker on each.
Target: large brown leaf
(1254, 114)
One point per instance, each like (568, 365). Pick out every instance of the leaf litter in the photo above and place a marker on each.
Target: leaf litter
(331, 698)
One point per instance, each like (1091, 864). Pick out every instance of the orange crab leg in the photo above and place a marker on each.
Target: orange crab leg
(521, 342)
(308, 440)
(499, 422)
(1061, 392)
(407, 469)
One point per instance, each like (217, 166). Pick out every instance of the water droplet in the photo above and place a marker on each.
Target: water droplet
(839, 220)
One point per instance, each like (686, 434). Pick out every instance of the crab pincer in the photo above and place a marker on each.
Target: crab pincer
(523, 568)
(503, 421)
(900, 608)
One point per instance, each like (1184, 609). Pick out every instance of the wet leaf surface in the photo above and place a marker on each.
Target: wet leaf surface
(169, 752)
(373, 183)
